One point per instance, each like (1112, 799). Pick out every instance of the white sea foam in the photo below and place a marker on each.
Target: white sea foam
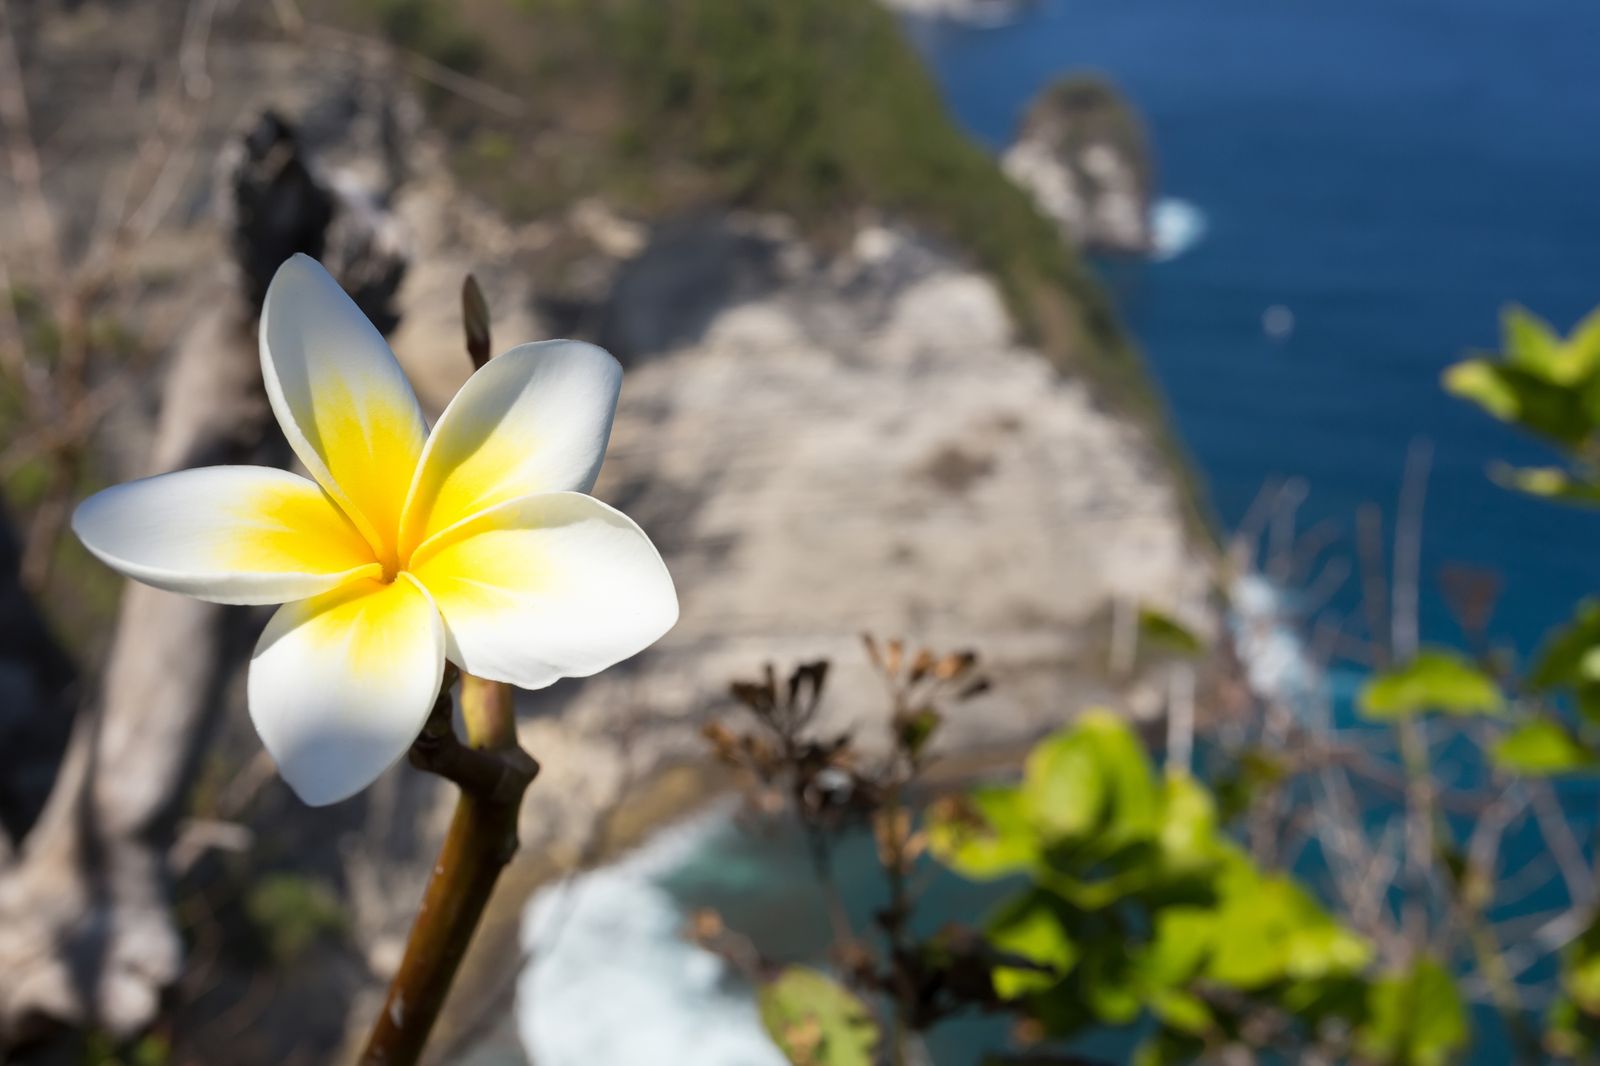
(1176, 227)
(612, 981)
(985, 14)
(1271, 648)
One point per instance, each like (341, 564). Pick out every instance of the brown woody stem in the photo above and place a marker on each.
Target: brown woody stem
(492, 773)
(486, 709)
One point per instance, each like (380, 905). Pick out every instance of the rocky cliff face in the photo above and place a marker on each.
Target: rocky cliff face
(1082, 154)
(823, 444)
(821, 441)
(861, 443)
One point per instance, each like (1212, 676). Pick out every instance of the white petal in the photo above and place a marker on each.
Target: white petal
(533, 420)
(229, 534)
(340, 396)
(545, 587)
(341, 684)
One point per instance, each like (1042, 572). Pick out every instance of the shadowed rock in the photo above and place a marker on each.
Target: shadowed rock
(35, 705)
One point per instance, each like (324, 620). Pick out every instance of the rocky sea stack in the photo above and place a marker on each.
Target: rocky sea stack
(1082, 153)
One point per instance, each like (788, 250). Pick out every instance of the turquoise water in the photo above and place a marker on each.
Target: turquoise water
(761, 881)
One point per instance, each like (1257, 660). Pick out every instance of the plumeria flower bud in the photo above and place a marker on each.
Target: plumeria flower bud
(475, 542)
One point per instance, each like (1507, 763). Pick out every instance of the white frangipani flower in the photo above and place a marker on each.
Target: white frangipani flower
(474, 543)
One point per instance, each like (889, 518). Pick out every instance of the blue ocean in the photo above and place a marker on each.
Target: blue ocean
(1392, 172)
(1374, 179)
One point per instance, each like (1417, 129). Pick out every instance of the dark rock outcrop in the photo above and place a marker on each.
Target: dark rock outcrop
(35, 700)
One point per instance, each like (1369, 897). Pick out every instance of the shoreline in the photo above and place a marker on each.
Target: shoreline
(483, 997)
(481, 1011)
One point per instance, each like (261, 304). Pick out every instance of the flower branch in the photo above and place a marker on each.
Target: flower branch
(492, 771)
(482, 838)
(412, 556)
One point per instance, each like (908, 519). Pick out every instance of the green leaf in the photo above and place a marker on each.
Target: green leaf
(1529, 341)
(816, 1021)
(1567, 657)
(1540, 747)
(1183, 1011)
(1480, 381)
(1570, 659)
(1415, 1018)
(1532, 345)
(1323, 948)
(1569, 1032)
(1435, 680)
(1546, 482)
(1583, 348)
(1188, 834)
(1064, 788)
(1523, 397)
(1092, 778)
(1109, 982)
(1269, 929)
(1030, 926)
(1580, 971)
(985, 837)
(1250, 946)
(1183, 939)
(1161, 629)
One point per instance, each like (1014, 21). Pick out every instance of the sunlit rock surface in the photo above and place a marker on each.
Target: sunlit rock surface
(826, 444)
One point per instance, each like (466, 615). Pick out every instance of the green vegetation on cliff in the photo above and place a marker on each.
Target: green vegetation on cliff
(818, 108)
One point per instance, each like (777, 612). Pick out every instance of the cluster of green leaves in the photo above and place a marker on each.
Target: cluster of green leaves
(1566, 673)
(1549, 386)
(1137, 904)
(816, 1021)
(1574, 1019)
(1536, 741)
